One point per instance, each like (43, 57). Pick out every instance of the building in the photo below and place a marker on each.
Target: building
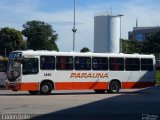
(141, 33)
(107, 33)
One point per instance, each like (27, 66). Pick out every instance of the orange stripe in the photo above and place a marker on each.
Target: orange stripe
(64, 86)
(129, 85)
(27, 86)
(80, 85)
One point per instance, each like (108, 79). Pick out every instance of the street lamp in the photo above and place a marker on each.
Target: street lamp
(121, 49)
(74, 30)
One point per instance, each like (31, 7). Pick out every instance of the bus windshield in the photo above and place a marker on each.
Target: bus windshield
(14, 66)
(15, 55)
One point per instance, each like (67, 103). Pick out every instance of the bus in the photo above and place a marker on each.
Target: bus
(40, 72)
(3, 70)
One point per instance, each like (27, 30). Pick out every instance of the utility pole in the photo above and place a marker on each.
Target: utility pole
(74, 26)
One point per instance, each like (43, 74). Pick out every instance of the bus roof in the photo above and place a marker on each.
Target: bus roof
(45, 53)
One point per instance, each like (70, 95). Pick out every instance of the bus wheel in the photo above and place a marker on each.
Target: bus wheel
(114, 87)
(33, 92)
(45, 88)
(99, 91)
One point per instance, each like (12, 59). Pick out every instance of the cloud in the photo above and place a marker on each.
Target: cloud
(61, 21)
(147, 13)
(15, 14)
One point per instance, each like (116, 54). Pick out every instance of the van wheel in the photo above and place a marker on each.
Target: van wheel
(33, 92)
(99, 91)
(45, 88)
(114, 87)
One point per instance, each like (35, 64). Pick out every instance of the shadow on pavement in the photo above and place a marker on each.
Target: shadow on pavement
(140, 105)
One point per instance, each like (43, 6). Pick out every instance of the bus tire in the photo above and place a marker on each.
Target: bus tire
(45, 88)
(99, 91)
(114, 87)
(34, 92)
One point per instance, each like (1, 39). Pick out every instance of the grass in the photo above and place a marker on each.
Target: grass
(158, 76)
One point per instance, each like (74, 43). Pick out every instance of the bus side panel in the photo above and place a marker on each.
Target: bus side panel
(28, 86)
(62, 80)
(133, 79)
(79, 80)
(129, 85)
(81, 85)
(64, 85)
(145, 79)
(97, 80)
(90, 85)
(29, 82)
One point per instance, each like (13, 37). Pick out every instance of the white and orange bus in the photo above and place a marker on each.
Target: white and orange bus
(44, 71)
(3, 70)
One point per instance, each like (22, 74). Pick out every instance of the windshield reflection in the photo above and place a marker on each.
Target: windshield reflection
(14, 69)
(14, 66)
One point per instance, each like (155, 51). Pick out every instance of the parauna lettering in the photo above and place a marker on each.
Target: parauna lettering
(89, 75)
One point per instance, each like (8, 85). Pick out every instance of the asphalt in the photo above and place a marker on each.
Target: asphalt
(84, 105)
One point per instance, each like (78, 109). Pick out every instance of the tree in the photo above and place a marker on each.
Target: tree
(11, 39)
(40, 35)
(85, 49)
(152, 44)
(132, 46)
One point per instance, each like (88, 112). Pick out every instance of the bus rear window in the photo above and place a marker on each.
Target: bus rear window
(146, 64)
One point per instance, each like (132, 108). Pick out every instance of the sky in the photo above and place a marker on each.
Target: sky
(59, 14)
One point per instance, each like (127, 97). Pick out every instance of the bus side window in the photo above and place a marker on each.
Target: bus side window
(100, 63)
(82, 63)
(132, 64)
(116, 64)
(64, 63)
(146, 64)
(47, 62)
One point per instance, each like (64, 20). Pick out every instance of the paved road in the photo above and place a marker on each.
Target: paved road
(76, 105)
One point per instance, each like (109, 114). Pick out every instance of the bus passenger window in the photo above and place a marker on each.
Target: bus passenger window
(64, 63)
(47, 62)
(146, 64)
(82, 63)
(116, 64)
(99, 63)
(132, 64)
